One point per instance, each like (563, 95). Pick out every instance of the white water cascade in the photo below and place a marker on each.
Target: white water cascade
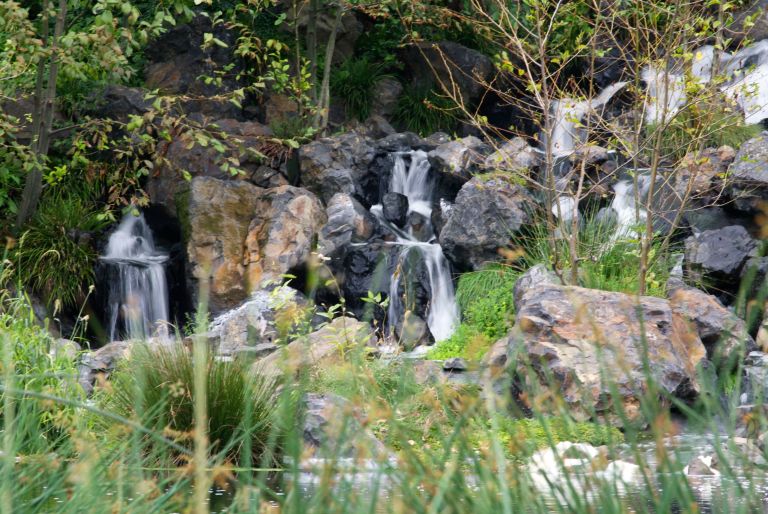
(138, 291)
(414, 182)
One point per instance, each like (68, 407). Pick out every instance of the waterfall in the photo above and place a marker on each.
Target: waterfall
(138, 292)
(415, 182)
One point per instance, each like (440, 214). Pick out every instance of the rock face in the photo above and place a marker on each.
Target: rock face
(487, 213)
(240, 235)
(749, 174)
(757, 10)
(699, 175)
(719, 254)
(257, 323)
(449, 66)
(580, 336)
(348, 222)
(337, 165)
(282, 232)
(395, 208)
(723, 334)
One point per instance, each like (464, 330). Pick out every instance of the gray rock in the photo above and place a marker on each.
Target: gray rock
(385, 95)
(487, 213)
(748, 178)
(459, 160)
(395, 208)
(101, 362)
(514, 154)
(348, 222)
(719, 254)
(412, 331)
(455, 364)
(252, 353)
(702, 465)
(757, 10)
(536, 276)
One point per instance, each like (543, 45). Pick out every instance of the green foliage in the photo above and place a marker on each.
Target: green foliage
(701, 125)
(55, 256)
(526, 435)
(353, 82)
(467, 342)
(424, 111)
(156, 386)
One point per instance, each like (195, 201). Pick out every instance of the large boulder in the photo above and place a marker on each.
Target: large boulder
(281, 233)
(487, 213)
(748, 175)
(587, 340)
(348, 222)
(337, 165)
(449, 66)
(723, 334)
(457, 161)
(719, 255)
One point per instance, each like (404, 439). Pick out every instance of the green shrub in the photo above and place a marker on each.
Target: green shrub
(55, 255)
(467, 342)
(353, 82)
(155, 386)
(486, 298)
(424, 111)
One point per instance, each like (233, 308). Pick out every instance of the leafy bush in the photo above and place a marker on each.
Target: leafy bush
(424, 111)
(523, 436)
(55, 256)
(486, 298)
(467, 342)
(353, 82)
(156, 386)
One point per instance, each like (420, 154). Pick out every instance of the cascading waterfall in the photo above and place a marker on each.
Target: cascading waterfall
(415, 183)
(138, 291)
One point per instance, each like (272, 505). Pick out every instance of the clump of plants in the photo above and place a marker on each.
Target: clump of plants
(56, 255)
(423, 110)
(353, 82)
(156, 387)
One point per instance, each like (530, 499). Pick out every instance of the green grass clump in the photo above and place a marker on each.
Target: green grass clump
(424, 111)
(155, 385)
(467, 342)
(353, 82)
(56, 255)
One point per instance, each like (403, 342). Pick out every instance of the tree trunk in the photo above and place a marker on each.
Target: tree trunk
(321, 120)
(314, 12)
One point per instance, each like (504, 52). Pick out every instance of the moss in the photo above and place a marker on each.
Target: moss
(182, 212)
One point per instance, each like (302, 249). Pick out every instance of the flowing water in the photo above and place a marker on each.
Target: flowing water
(138, 291)
(415, 182)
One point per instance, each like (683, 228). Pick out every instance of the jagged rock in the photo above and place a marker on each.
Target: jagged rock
(348, 222)
(583, 339)
(536, 276)
(376, 127)
(412, 331)
(723, 334)
(419, 225)
(395, 208)
(334, 428)
(118, 102)
(487, 213)
(455, 364)
(457, 161)
(449, 66)
(699, 176)
(253, 324)
(362, 269)
(323, 347)
(719, 254)
(400, 142)
(338, 165)
(385, 95)
(101, 362)
(514, 154)
(748, 175)
(281, 233)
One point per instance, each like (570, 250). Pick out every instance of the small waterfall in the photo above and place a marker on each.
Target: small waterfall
(628, 213)
(138, 292)
(414, 182)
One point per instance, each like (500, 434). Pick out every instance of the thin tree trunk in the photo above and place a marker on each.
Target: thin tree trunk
(34, 181)
(321, 120)
(314, 12)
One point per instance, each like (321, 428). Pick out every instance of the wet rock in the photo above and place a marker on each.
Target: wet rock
(334, 428)
(395, 208)
(515, 154)
(702, 465)
(748, 175)
(440, 214)
(723, 334)
(101, 363)
(719, 254)
(362, 269)
(457, 161)
(584, 339)
(419, 225)
(254, 323)
(400, 142)
(281, 233)
(487, 213)
(412, 331)
(323, 347)
(338, 165)
(447, 65)
(348, 222)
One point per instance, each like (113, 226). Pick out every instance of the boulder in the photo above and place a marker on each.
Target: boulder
(585, 339)
(719, 255)
(395, 208)
(281, 233)
(723, 334)
(449, 66)
(323, 347)
(536, 276)
(101, 363)
(385, 95)
(487, 213)
(699, 176)
(348, 222)
(457, 161)
(412, 331)
(338, 165)
(515, 154)
(268, 316)
(748, 175)
(216, 216)
(116, 102)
